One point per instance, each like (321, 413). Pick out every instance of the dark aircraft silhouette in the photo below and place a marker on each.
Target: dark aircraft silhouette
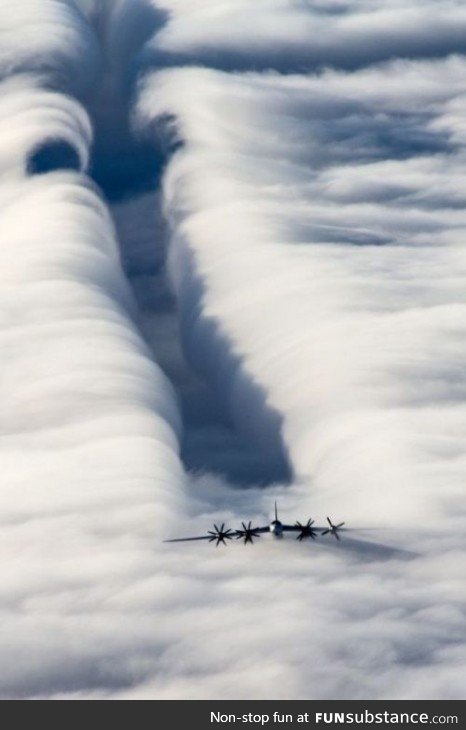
(248, 533)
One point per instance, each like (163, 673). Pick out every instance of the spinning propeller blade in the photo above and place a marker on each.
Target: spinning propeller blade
(220, 535)
(247, 533)
(306, 530)
(333, 529)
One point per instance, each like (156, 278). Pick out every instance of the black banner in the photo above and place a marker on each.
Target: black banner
(215, 715)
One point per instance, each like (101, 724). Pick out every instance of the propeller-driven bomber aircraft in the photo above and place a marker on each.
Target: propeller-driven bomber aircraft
(248, 533)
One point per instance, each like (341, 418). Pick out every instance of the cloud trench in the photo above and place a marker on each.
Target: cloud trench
(232, 270)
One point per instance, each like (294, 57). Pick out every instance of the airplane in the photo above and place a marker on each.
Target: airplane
(248, 533)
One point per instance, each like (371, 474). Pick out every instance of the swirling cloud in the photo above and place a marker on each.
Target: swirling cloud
(315, 251)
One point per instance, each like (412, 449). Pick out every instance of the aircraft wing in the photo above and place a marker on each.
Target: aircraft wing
(311, 530)
(188, 539)
(303, 530)
(317, 528)
(247, 532)
(221, 535)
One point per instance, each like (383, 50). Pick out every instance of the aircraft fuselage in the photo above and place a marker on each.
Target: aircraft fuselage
(276, 528)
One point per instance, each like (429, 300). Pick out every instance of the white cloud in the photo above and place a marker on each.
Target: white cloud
(52, 37)
(88, 428)
(317, 235)
(353, 293)
(316, 250)
(32, 118)
(300, 34)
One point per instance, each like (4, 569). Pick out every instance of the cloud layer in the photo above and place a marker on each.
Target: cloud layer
(89, 424)
(298, 35)
(51, 37)
(311, 219)
(323, 218)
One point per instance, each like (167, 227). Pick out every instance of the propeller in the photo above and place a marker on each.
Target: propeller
(333, 529)
(306, 530)
(248, 533)
(220, 535)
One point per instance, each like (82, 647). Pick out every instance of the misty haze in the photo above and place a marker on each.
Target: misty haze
(232, 274)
